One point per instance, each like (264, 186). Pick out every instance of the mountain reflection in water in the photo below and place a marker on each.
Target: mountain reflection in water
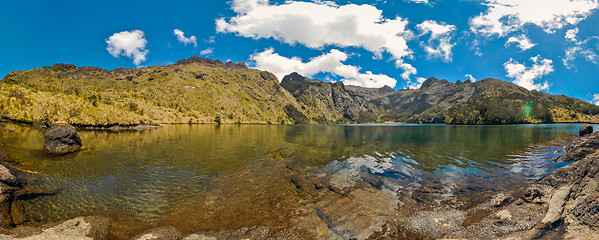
(328, 181)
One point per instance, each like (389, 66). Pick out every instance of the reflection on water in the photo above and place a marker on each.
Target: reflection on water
(328, 181)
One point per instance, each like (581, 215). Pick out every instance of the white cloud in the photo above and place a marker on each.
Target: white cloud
(470, 77)
(416, 84)
(318, 24)
(439, 44)
(207, 51)
(331, 62)
(419, 1)
(573, 52)
(580, 48)
(525, 76)
(130, 44)
(181, 37)
(408, 69)
(572, 35)
(506, 16)
(595, 99)
(523, 42)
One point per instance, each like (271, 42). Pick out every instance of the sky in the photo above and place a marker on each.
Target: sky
(544, 45)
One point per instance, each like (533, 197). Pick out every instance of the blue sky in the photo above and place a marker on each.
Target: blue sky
(548, 45)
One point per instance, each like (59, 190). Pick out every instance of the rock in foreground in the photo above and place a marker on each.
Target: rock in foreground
(62, 139)
(91, 228)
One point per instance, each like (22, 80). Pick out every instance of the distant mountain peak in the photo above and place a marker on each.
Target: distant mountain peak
(432, 82)
(196, 59)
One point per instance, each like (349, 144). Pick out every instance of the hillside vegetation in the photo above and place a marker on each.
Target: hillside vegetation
(198, 90)
(193, 90)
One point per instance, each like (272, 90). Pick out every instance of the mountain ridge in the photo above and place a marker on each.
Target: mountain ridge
(199, 90)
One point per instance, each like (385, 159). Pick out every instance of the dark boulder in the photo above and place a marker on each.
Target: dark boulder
(62, 139)
(586, 129)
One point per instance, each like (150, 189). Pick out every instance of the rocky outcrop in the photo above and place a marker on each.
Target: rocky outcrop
(8, 188)
(62, 139)
(571, 193)
(81, 228)
(580, 148)
(564, 205)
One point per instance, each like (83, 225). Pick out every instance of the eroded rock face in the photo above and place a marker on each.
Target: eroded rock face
(62, 139)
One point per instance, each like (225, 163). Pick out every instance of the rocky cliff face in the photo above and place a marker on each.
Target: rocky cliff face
(329, 102)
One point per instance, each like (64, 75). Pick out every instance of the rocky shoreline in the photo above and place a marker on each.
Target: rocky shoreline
(563, 205)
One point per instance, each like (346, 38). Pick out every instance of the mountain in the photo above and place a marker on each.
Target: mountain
(198, 90)
(193, 90)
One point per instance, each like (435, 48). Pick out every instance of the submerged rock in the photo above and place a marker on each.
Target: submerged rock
(160, 233)
(62, 139)
(586, 129)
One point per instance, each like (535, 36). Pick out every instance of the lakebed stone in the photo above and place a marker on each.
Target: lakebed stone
(62, 139)
(160, 233)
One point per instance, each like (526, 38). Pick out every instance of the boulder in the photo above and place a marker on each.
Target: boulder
(586, 129)
(62, 139)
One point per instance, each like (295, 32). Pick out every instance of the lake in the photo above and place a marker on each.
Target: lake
(326, 181)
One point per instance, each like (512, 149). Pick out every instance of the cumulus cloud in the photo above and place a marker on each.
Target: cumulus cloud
(595, 99)
(522, 41)
(416, 84)
(207, 51)
(572, 35)
(319, 24)
(181, 37)
(408, 69)
(470, 77)
(131, 44)
(525, 76)
(439, 44)
(506, 16)
(331, 62)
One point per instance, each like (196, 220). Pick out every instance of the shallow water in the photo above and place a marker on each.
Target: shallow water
(328, 181)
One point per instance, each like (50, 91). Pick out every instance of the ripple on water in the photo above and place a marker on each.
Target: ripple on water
(334, 181)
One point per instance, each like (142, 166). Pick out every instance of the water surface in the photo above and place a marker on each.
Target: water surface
(319, 180)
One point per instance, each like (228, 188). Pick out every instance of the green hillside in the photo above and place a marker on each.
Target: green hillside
(198, 90)
(193, 90)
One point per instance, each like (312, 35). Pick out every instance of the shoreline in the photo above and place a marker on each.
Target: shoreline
(138, 127)
(503, 210)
